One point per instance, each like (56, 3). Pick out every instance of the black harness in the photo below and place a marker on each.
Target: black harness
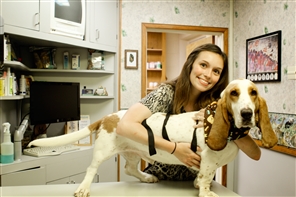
(233, 134)
(151, 143)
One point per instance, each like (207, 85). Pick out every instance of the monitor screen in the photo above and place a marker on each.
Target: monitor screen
(53, 102)
(70, 10)
(1, 41)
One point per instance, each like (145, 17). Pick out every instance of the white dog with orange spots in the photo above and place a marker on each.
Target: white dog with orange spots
(239, 101)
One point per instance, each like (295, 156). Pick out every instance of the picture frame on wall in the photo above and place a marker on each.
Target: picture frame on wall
(264, 57)
(131, 59)
(284, 126)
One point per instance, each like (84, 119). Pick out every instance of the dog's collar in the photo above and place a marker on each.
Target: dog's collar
(233, 134)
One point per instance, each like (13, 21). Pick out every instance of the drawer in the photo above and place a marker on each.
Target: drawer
(32, 176)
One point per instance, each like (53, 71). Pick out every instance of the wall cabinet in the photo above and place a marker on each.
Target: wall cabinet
(24, 14)
(102, 22)
(156, 60)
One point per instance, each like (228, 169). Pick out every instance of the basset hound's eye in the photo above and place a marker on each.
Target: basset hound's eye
(234, 93)
(254, 93)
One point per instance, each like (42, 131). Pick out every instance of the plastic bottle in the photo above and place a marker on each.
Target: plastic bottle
(14, 85)
(7, 48)
(7, 149)
(9, 82)
(22, 85)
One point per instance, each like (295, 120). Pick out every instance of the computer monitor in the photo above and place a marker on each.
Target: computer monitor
(1, 41)
(53, 102)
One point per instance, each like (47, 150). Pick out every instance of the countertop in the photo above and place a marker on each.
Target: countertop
(135, 188)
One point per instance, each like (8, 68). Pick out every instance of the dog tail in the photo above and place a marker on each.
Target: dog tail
(67, 138)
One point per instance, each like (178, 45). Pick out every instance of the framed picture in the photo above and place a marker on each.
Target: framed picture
(264, 57)
(131, 59)
(284, 125)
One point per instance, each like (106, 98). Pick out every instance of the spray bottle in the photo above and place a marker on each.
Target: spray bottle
(7, 146)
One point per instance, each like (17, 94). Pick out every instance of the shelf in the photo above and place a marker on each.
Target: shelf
(154, 69)
(16, 65)
(21, 67)
(96, 97)
(150, 89)
(157, 50)
(70, 71)
(17, 97)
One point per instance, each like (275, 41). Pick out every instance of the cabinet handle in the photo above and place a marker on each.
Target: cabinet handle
(73, 182)
(35, 17)
(98, 34)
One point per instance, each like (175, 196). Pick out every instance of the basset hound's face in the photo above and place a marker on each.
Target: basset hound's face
(242, 102)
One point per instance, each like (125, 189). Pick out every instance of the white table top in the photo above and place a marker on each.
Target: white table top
(162, 188)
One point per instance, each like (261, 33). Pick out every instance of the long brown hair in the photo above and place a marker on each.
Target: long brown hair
(182, 84)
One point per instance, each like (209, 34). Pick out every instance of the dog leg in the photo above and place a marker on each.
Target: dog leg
(132, 169)
(205, 177)
(99, 157)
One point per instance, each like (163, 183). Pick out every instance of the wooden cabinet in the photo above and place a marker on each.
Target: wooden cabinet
(102, 21)
(23, 14)
(156, 60)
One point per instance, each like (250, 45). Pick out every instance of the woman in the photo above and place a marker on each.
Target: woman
(202, 79)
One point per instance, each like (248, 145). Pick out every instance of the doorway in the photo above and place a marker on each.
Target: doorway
(221, 39)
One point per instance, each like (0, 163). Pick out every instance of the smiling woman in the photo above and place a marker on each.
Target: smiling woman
(207, 70)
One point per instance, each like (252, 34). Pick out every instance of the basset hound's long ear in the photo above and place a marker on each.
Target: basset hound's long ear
(217, 139)
(269, 138)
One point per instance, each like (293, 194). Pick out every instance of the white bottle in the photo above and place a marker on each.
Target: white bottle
(7, 48)
(22, 85)
(7, 150)
(9, 83)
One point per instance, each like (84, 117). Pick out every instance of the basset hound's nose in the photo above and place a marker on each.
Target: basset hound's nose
(246, 114)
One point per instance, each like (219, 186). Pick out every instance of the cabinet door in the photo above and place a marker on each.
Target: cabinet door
(23, 14)
(107, 171)
(103, 22)
(75, 179)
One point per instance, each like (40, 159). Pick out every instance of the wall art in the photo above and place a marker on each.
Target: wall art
(264, 57)
(131, 59)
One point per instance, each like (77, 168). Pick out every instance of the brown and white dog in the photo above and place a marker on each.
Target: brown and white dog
(239, 101)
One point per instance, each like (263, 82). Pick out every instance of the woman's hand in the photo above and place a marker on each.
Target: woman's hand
(199, 116)
(186, 155)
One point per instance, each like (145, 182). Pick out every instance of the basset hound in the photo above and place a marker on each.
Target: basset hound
(240, 104)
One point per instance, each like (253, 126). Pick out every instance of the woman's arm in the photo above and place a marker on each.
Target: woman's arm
(249, 147)
(130, 126)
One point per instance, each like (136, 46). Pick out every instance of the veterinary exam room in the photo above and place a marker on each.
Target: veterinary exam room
(147, 98)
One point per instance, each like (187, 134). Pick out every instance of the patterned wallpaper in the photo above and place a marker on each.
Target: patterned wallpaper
(255, 18)
(185, 12)
(251, 19)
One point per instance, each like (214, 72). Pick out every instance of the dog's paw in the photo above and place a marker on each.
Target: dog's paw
(212, 194)
(209, 194)
(81, 193)
(148, 178)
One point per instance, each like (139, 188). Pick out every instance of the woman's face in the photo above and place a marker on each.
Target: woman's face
(206, 71)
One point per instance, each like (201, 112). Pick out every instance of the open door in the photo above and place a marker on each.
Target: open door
(219, 37)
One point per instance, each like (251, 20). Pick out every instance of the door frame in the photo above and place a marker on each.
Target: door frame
(155, 27)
